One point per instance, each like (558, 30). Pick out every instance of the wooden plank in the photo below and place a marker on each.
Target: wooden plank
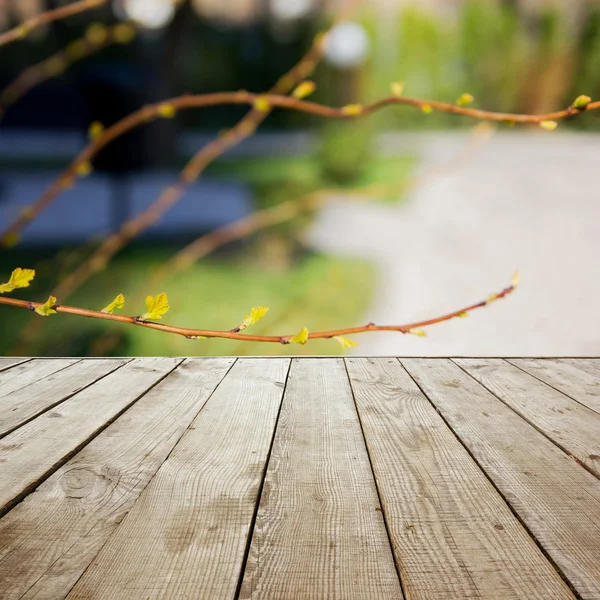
(31, 453)
(49, 539)
(32, 400)
(570, 425)
(187, 534)
(557, 500)
(589, 365)
(31, 372)
(573, 382)
(7, 363)
(319, 530)
(452, 533)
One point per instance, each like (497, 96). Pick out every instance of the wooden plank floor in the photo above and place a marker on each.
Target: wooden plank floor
(304, 478)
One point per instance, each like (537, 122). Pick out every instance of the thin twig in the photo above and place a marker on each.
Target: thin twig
(58, 63)
(153, 111)
(235, 335)
(23, 30)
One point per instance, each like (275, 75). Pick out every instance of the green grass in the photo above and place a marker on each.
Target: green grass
(385, 170)
(319, 292)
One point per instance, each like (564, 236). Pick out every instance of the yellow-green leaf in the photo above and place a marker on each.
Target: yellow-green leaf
(261, 104)
(581, 102)
(157, 307)
(96, 34)
(516, 278)
(11, 239)
(397, 88)
(167, 111)
(124, 33)
(300, 338)
(352, 110)
(117, 303)
(427, 109)
(465, 100)
(306, 88)
(549, 125)
(419, 332)
(45, 310)
(96, 130)
(345, 342)
(256, 314)
(491, 298)
(83, 169)
(463, 315)
(19, 278)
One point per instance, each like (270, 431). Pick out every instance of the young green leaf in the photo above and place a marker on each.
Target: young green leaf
(261, 104)
(11, 239)
(157, 307)
(300, 338)
(463, 315)
(166, 111)
(549, 125)
(581, 102)
(419, 332)
(427, 109)
(96, 130)
(345, 342)
(256, 314)
(516, 278)
(306, 88)
(45, 310)
(465, 100)
(352, 110)
(84, 168)
(19, 278)
(117, 303)
(397, 88)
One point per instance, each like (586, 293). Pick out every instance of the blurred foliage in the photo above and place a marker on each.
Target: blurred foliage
(508, 60)
(318, 292)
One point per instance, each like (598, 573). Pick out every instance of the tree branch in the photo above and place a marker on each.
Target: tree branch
(23, 30)
(235, 335)
(153, 111)
(93, 41)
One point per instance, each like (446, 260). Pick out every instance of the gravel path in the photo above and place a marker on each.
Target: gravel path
(527, 200)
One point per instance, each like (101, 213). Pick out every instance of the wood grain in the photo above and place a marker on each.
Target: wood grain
(572, 381)
(319, 530)
(572, 426)
(7, 363)
(49, 539)
(26, 403)
(31, 453)
(589, 365)
(187, 534)
(21, 376)
(557, 499)
(445, 518)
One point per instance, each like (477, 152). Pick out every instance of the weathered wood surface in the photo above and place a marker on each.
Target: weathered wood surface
(29, 401)
(319, 530)
(557, 499)
(32, 452)
(186, 536)
(574, 381)
(443, 514)
(5, 363)
(316, 478)
(569, 424)
(52, 536)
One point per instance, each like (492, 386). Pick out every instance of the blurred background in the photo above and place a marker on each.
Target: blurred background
(416, 214)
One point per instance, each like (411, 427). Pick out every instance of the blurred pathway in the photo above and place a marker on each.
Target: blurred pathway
(526, 200)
